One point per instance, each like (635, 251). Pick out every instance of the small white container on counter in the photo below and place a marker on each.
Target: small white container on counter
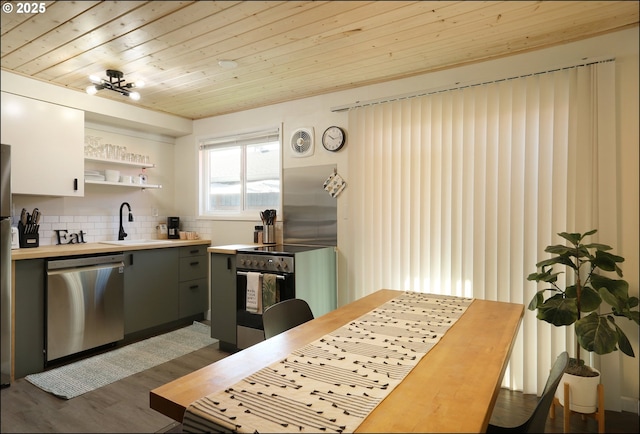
(15, 238)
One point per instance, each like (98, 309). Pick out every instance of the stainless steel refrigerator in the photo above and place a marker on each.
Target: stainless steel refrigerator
(310, 213)
(5, 259)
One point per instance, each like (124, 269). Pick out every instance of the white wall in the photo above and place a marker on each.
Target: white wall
(311, 112)
(179, 197)
(315, 112)
(97, 213)
(142, 131)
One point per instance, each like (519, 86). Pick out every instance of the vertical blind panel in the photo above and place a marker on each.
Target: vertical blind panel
(514, 139)
(459, 192)
(469, 174)
(531, 233)
(417, 208)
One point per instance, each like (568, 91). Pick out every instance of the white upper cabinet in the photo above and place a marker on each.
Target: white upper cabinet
(47, 146)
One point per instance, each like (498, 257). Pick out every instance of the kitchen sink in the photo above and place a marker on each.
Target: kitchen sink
(142, 242)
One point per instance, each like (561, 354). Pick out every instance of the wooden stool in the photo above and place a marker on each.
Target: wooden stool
(597, 415)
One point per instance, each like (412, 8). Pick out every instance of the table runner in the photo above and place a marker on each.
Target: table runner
(333, 383)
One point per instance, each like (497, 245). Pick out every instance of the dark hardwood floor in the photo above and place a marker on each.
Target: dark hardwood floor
(513, 408)
(120, 407)
(123, 406)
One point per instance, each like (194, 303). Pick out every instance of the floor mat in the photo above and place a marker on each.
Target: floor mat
(89, 374)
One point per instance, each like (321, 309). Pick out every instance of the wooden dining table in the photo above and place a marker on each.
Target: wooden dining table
(452, 389)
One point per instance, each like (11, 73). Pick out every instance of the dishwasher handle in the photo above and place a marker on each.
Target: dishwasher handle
(86, 261)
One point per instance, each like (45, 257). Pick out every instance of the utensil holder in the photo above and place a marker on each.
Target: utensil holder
(28, 235)
(269, 234)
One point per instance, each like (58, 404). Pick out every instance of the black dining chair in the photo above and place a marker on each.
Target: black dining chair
(536, 422)
(285, 315)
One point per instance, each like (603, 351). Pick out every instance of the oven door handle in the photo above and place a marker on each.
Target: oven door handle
(244, 273)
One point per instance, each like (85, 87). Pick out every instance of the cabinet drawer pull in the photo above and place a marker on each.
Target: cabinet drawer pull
(194, 251)
(195, 263)
(194, 286)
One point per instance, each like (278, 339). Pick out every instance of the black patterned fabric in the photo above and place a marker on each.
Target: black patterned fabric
(332, 384)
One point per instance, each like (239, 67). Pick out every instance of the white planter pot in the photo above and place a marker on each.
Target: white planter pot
(583, 392)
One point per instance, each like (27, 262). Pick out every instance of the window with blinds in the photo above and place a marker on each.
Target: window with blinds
(240, 174)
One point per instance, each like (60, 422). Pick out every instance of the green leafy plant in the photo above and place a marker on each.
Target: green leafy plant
(597, 331)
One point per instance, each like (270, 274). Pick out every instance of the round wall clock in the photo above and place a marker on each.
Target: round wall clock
(333, 138)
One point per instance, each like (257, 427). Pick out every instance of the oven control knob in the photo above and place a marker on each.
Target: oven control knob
(262, 264)
(277, 264)
(284, 266)
(241, 261)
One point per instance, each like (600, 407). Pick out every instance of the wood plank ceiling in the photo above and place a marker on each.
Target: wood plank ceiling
(284, 50)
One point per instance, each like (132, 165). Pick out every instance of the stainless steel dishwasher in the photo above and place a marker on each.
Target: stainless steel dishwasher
(84, 304)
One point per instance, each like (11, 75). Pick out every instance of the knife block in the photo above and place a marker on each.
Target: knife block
(31, 239)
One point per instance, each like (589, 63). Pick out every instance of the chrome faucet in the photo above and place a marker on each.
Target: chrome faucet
(122, 233)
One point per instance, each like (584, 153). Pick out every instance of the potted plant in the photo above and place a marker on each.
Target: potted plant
(582, 302)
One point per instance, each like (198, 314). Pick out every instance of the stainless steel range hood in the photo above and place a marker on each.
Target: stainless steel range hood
(309, 213)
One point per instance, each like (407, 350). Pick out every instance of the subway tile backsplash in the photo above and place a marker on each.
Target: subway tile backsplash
(105, 228)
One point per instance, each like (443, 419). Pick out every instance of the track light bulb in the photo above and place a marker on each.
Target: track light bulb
(91, 90)
(134, 96)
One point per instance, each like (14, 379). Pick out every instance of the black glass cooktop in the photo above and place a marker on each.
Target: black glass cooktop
(281, 249)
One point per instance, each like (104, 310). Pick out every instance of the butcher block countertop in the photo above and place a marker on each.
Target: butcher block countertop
(231, 249)
(95, 248)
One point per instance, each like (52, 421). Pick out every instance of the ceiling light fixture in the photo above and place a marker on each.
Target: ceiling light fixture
(115, 83)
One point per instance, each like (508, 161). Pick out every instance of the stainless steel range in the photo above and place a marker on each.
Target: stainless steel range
(302, 271)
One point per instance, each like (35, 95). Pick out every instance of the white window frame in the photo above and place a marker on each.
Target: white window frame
(243, 140)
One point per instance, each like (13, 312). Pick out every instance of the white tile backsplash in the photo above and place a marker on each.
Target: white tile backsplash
(99, 228)
(105, 228)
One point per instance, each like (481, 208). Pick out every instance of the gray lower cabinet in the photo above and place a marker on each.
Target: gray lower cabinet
(223, 299)
(160, 286)
(193, 290)
(150, 281)
(29, 316)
